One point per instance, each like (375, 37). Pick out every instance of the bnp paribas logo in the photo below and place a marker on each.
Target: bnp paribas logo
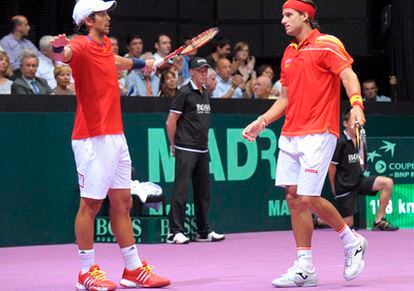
(379, 156)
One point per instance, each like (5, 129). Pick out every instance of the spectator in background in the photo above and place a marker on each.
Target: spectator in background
(121, 74)
(63, 74)
(168, 84)
(5, 73)
(141, 83)
(15, 42)
(262, 88)
(28, 83)
(221, 49)
(370, 91)
(228, 86)
(46, 65)
(267, 71)
(135, 46)
(211, 83)
(243, 63)
(115, 44)
(162, 46)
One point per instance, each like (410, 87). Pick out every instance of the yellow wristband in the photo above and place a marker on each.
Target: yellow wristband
(356, 99)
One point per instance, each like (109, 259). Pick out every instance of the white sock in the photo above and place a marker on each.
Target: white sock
(348, 237)
(131, 258)
(305, 258)
(87, 258)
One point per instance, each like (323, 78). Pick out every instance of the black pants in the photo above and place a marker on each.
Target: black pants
(194, 166)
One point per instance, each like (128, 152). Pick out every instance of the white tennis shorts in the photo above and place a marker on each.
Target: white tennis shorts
(102, 163)
(304, 161)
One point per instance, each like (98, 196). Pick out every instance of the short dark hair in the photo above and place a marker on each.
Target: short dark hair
(131, 37)
(369, 80)
(219, 42)
(157, 39)
(346, 114)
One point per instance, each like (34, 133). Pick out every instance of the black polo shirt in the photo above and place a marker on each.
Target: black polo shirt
(194, 122)
(348, 170)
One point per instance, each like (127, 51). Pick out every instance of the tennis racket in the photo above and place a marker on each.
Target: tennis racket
(190, 45)
(361, 142)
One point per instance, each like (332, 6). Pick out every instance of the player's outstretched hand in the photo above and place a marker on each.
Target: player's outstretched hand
(253, 130)
(59, 41)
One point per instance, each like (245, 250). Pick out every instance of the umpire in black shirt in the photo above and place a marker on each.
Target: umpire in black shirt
(187, 127)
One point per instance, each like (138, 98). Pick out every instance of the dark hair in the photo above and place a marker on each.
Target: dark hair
(219, 42)
(313, 22)
(164, 74)
(369, 80)
(346, 114)
(263, 68)
(157, 39)
(131, 37)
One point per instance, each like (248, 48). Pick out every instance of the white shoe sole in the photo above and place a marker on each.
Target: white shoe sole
(79, 286)
(306, 284)
(129, 284)
(177, 243)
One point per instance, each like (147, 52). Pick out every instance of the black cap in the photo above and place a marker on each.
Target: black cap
(198, 62)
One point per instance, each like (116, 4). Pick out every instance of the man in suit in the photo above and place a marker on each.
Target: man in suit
(28, 83)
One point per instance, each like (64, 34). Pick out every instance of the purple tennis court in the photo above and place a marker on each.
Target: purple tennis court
(246, 261)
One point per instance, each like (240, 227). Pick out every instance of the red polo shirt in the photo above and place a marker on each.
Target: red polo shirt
(98, 98)
(310, 71)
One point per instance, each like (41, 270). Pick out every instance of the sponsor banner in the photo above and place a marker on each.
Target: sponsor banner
(394, 158)
(152, 229)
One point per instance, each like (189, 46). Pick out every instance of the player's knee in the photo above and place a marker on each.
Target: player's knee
(90, 207)
(122, 206)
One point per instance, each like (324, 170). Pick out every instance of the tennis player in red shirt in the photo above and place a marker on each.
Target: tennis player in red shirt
(100, 149)
(312, 69)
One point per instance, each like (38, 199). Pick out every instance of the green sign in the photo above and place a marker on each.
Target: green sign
(39, 179)
(400, 210)
(394, 158)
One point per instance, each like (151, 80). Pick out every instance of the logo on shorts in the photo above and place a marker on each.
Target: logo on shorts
(312, 171)
(81, 180)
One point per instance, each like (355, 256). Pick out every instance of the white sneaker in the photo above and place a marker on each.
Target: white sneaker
(297, 276)
(178, 238)
(354, 259)
(211, 237)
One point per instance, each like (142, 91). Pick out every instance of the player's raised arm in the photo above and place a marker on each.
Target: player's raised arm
(61, 49)
(133, 63)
